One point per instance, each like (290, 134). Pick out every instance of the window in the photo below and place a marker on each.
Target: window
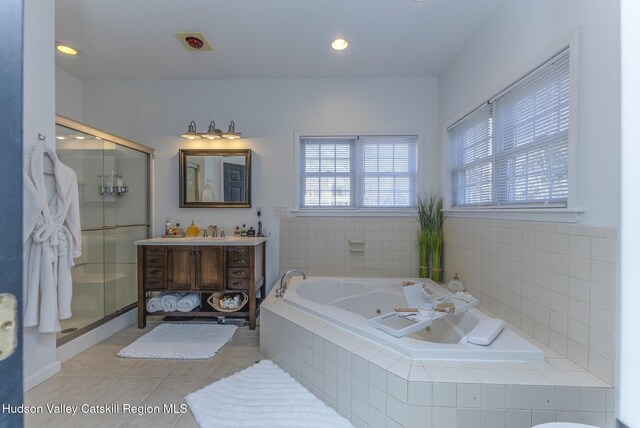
(513, 151)
(358, 172)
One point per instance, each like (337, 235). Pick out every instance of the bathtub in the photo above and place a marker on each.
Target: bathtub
(350, 302)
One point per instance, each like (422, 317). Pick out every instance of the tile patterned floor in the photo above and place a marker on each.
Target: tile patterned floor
(97, 376)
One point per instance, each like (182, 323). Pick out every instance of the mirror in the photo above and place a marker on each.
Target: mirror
(215, 178)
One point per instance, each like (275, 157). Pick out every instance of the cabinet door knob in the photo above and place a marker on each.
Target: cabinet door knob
(153, 260)
(237, 272)
(155, 271)
(155, 283)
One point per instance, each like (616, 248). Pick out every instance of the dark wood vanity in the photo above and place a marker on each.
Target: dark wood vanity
(202, 266)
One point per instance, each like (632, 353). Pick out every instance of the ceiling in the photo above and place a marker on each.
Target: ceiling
(124, 39)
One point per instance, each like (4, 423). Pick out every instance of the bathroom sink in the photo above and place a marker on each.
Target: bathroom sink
(210, 238)
(217, 238)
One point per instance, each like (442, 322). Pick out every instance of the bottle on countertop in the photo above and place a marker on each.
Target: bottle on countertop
(167, 227)
(178, 230)
(251, 231)
(193, 230)
(237, 232)
(243, 232)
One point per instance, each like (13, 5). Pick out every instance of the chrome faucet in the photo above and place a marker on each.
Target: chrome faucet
(213, 231)
(283, 283)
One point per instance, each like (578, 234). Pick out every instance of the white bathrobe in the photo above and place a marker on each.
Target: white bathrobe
(51, 237)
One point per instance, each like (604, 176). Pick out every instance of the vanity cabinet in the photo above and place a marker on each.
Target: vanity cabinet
(195, 268)
(188, 265)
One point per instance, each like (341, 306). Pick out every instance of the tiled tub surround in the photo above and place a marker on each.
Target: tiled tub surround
(320, 246)
(555, 282)
(373, 386)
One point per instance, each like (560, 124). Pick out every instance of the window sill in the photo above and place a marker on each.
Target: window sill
(354, 212)
(551, 215)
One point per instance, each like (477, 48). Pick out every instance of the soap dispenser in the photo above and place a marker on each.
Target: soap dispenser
(455, 284)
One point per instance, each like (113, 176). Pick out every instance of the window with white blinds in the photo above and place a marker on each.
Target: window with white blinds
(358, 172)
(514, 150)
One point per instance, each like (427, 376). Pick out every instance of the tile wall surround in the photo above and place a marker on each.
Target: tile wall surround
(320, 246)
(373, 386)
(554, 281)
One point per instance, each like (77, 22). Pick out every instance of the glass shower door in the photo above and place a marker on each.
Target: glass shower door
(113, 184)
(84, 153)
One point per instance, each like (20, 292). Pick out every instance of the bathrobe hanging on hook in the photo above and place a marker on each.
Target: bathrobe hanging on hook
(51, 236)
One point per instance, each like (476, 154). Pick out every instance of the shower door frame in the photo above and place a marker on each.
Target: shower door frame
(78, 126)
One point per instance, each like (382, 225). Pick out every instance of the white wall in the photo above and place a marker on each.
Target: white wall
(68, 95)
(517, 34)
(38, 118)
(268, 112)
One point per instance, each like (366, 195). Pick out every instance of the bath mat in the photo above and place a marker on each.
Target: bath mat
(180, 342)
(262, 395)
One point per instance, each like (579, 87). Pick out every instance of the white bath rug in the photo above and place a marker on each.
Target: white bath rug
(262, 395)
(180, 342)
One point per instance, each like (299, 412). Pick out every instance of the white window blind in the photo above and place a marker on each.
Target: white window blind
(326, 172)
(358, 172)
(472, 162)
(514, 151)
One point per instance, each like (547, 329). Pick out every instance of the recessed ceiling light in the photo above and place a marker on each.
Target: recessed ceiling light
(66, 49)
(60, 137)
(79, 137)
(339, 44)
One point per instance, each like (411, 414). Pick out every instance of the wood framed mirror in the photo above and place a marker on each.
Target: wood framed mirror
(215, 178)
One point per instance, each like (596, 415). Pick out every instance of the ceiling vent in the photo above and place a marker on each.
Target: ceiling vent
(194, 41)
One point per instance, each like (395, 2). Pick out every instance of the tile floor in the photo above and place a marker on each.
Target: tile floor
(98, 376)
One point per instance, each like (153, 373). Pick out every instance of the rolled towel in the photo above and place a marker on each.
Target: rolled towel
(189, 302)
(154, 305)
(169, 302)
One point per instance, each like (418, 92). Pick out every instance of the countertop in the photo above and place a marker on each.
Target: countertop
(197, 241)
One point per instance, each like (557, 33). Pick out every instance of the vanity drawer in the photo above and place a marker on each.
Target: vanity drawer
(242, 273)
(154, 272)
(237, 284)
(153, 250)
(155, 284)
(238, 257)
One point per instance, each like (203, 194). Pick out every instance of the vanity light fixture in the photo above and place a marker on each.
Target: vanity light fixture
(191, 133)
(67, 49)
(213, 133)
(340, 44)
(231, 134)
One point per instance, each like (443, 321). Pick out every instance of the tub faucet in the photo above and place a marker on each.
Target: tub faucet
(283, 283)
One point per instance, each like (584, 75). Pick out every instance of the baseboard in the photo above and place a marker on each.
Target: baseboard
(41, 375)
(95, 336)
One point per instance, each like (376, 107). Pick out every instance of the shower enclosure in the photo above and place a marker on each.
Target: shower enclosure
(114, 194)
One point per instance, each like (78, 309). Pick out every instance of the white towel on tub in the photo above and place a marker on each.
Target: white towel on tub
(153, 304)
(189, 302)
(169, 302)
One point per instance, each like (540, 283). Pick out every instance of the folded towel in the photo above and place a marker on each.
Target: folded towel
(169, 302)
(189, 302)
(154, 305)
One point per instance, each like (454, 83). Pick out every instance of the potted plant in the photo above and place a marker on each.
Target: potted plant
(430, 236)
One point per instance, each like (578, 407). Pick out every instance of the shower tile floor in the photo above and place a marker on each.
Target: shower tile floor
(98, 377)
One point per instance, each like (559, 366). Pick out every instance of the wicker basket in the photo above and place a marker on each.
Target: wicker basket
(214, 300)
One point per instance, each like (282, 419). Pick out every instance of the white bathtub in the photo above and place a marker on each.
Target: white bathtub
(350, 302)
